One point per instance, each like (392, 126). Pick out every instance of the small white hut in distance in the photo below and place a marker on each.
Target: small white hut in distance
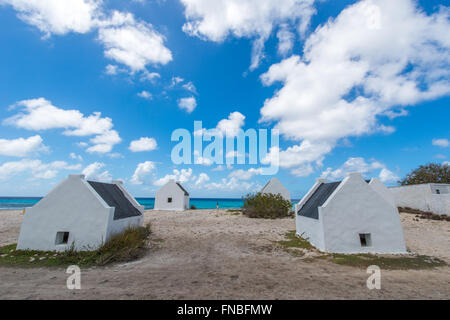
(274, 186)
(172, 196)
(81, 213)
(351, 216)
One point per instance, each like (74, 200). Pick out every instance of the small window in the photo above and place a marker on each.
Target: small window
(365, 239)
(438, 191)
(62, 238)
(169, 200)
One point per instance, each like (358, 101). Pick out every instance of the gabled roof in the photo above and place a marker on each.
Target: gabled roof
(184, 190)
(311, 208)
(114, 197)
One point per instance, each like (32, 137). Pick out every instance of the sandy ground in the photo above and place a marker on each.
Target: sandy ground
(217, 255)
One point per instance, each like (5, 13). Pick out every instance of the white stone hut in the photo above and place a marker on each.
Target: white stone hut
(79, 213)
(274, 186)
(350, 216)
(172, 196)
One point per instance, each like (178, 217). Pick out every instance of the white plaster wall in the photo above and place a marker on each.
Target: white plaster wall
(356, 208)
(309, 228)
(382, 190)
(179, 202)
(118, 226)
(276, 187)
(69, 207)
(421, 197)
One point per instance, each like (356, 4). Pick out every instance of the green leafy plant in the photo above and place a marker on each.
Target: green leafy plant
(266, 206)
(429, 173)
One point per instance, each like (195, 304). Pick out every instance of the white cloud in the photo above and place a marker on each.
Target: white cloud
(150, 76)
(443, 143)
(128, 41)
(182, 176)
(446, 163)
(143, 172)
(21, 147)
(134, 44)
(285, 40)
(40, 114)
(188, 104)
(37, 168)
(231, 126)
(245, 174)
(190, 87)
(234, 185)
(373, 58)
(253, 19)
(143, 144)
(202, 178)
(360, 165)
(76, 156)
(145, 95)
(95, 171)
(56, 16)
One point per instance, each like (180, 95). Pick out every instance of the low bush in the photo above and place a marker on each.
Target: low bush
(266, 206)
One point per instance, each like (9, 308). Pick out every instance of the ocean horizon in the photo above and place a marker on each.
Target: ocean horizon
(20, 203)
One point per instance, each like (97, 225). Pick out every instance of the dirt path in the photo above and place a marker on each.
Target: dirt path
(206, 255)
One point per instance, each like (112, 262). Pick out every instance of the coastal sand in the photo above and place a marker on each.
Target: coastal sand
(210, 254)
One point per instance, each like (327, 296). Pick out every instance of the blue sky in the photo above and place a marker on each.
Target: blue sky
(351, 85)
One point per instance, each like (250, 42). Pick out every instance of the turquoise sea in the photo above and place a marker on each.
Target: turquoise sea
(19, 203)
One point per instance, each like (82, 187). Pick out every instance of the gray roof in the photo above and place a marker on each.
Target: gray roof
(114, 197)
(311, 208)
(184, 190)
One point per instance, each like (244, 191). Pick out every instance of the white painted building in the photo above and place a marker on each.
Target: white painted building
(81, 213)
(431, 197)
(350, 216)
(172, 196)
(274, 186)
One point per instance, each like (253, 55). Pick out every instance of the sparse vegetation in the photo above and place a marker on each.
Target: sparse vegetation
(124, 247)
(416, 262)
(298, 246)
(266, 206)
(424, 214)
(430, 173)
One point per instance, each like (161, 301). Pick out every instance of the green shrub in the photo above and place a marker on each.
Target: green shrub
(266, 206)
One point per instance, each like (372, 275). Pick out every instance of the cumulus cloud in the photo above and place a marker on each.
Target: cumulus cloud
(37, 168)
(234, 185)
(95, 171)
(231, 126)
(21, 147)
(373, 58)
(182, 176)
(134, 44)
(41, 114)
(128, 41)
(202, 178)
(443, 143)
(143, 173)
(360, 165)
(145, 95)
(253, 19)
(143, 144)
(56, 16)
(188, 104)
(75, 156)
(245, 174)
